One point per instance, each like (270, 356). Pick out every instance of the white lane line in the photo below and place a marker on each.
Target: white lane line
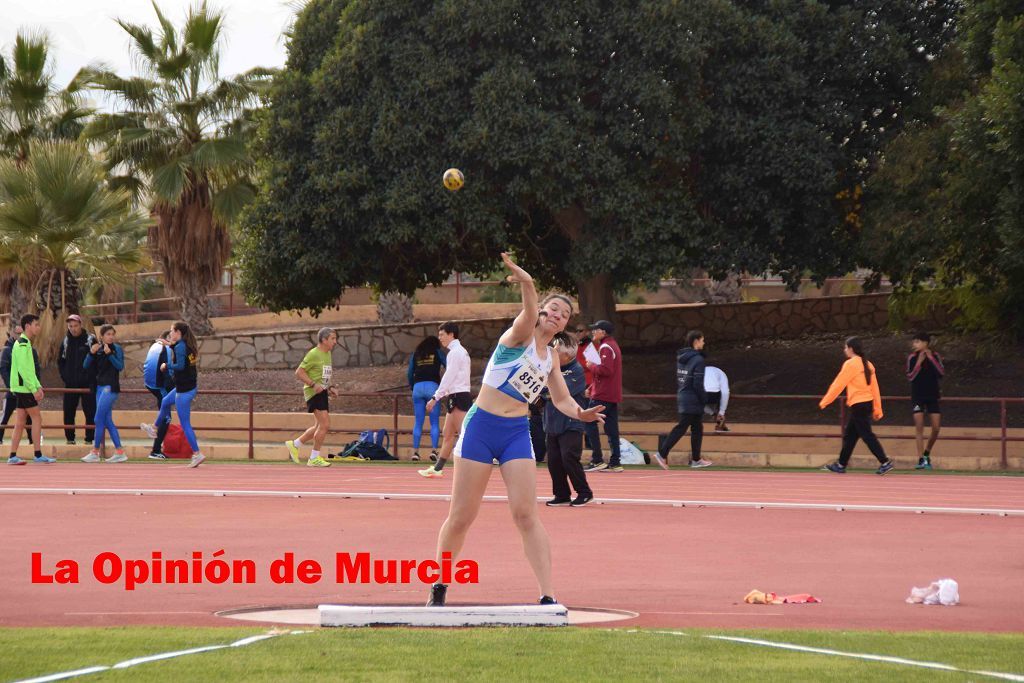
(65, 674)
(853, 655)
(868, 657)
(384, 495)
(155, 658)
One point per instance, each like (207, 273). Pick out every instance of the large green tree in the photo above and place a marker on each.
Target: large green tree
(947, 205)
(181, 129)
(59, 221)
(606, 143)
(33, 108)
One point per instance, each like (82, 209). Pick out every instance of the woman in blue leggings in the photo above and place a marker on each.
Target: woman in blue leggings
(184, 361)
(108, 359)
(424, 375)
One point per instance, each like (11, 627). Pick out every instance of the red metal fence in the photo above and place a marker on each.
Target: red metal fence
(250, 395)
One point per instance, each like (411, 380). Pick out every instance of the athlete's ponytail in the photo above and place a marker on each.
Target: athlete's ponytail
(857, 347)
(191, 345)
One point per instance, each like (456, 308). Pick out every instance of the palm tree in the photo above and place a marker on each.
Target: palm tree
(60, 221)
(183, 130)
(32, 107)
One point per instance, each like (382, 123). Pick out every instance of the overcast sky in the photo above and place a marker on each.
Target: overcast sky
(84, 31)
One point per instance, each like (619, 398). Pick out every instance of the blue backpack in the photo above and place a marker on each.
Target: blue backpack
(379, 438)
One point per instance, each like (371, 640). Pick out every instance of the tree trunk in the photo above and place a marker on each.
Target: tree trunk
(727, 291)
(394, 308)
(57, 295)
(192, 248)
(195, 308)
(597, 300)
(19, 305)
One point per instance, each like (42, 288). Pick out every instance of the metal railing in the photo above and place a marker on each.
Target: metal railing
(134, 314)
(250, 394)
(1004, 438)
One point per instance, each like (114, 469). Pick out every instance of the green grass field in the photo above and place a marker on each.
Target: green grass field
(502, 655)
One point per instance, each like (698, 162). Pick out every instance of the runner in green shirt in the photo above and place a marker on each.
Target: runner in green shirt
(27, 391)
(315, 373)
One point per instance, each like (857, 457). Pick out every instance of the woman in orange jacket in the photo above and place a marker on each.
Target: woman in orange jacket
(864, 398)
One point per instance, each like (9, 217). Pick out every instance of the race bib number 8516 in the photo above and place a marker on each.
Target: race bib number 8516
(528, 380)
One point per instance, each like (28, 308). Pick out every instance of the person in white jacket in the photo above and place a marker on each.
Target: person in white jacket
(454, 390)
(716, 384)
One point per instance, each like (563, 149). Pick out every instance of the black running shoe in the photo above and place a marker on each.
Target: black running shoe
(433, 456)
(547, 600)
(581, 500)
(558, 502)
(157, 456)
(438, 593)
(835, 467)
(886, 466)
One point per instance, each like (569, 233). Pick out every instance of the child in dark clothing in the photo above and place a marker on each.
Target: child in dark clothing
(924, 370)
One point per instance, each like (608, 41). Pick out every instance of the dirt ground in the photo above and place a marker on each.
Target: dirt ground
(804, 366)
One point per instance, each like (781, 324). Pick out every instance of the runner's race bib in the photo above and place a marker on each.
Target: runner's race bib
(528, 380)
(325, 377)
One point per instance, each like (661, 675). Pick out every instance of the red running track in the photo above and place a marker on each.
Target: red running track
(675, 566)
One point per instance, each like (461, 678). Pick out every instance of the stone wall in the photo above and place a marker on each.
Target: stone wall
(667, 326)
(357, 347)
(651, 328)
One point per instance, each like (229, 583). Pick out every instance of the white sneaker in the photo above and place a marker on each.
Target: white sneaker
(118, 457)
(92, 457)
(149, 429)
(430, 473)
(661, 462)
(196, 459)
(700, 463)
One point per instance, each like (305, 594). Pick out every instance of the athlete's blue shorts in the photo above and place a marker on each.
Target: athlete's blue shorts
(486, 436)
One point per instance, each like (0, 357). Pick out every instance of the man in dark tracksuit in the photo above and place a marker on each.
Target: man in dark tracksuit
(71, 363)
(691, 398)
(564, 435)
(5, 371)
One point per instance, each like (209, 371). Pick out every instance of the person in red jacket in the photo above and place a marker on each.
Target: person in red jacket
(605, 364)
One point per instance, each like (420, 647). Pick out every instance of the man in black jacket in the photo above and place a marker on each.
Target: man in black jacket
(71, 363)
(10, 405)
(691, 398)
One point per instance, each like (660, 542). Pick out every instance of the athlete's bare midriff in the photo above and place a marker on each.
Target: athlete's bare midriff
(499, 403)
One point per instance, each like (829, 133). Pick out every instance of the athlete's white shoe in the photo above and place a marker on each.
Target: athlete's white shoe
(430, 473)
(93, 456)
(196, 459)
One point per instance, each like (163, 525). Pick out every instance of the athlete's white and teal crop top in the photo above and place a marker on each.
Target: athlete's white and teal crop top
(518, 371)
